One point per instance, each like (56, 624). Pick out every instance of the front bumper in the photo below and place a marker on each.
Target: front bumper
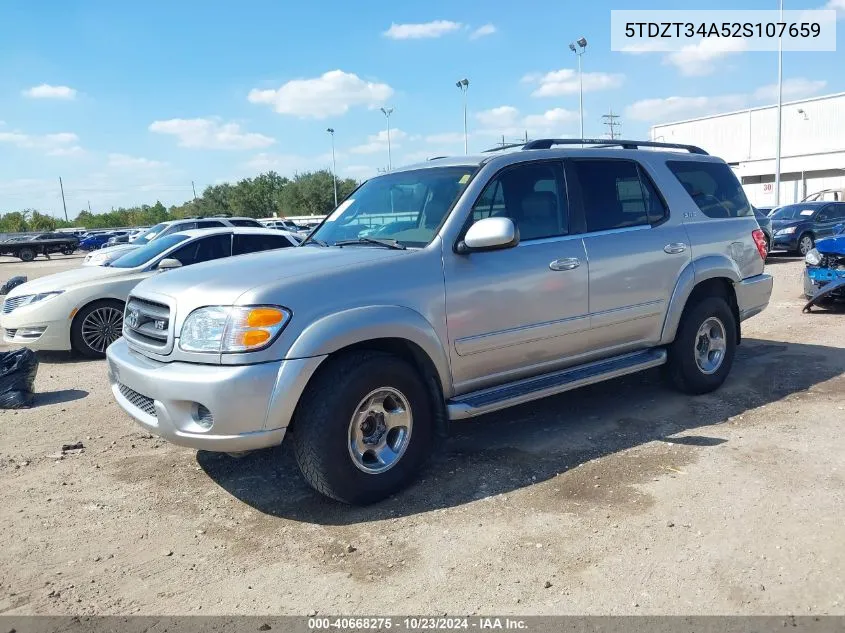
(752, 295)
(21, 326)
(250, 405)
(816, 278)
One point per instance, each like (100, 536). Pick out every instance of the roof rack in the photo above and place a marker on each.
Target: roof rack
(548, 143)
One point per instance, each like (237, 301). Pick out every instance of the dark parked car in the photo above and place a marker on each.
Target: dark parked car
(29, 247)
(797, 226)
(765, 223)
(95, 241)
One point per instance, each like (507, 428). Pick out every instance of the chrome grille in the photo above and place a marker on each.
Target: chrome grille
(148, 324)
(145, 404)
(14, 302)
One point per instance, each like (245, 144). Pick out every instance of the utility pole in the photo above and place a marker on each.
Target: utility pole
(579, 47)
(334, 166)
(195, 190)
(62, 187)
(610, 121)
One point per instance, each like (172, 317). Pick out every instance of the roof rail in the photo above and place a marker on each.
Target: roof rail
(501, 147)
(548, 143)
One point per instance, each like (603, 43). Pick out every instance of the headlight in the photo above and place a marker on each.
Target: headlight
(232, 328)
(813, 258)
(30, 299)
(787, 231)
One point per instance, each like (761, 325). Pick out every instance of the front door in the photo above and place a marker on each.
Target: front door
(519, 311)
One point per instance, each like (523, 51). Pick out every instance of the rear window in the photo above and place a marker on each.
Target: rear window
(713, 187)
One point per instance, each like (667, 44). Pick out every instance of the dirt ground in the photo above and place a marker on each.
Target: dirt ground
(620, 498)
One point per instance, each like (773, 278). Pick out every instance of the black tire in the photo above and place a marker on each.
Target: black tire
(80, 339)
(323, 422)
(27, 254)
(683, 369)
(68, 251)
(805, 244)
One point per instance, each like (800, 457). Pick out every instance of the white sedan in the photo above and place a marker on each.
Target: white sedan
(82, 309)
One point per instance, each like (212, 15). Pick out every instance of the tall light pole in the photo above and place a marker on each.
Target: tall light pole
(387, 112)
(463, 85)
(780, 100)
(579, 47)
(334, 166)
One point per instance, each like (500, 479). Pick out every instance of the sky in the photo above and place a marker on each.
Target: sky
(132, 102)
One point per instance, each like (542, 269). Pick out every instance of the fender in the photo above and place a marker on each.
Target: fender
(696, 271)
(342, 329)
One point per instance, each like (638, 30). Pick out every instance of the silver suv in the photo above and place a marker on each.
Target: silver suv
(491, 281)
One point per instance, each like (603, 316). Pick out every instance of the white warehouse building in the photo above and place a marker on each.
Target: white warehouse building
(812, 147)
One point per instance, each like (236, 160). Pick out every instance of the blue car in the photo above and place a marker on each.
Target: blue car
(93, 242)
(824, 273)
(797, 227)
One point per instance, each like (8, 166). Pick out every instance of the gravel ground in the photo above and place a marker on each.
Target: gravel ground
(620, 498)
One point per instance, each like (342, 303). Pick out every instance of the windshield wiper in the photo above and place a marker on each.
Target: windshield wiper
(313, 240)
(373, 240)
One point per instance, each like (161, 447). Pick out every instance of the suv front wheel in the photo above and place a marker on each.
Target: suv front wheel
(363, 427)
(702, 354)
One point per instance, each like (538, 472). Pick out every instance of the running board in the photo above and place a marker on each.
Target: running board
(487, 400)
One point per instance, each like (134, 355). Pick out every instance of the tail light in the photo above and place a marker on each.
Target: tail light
(760, 241)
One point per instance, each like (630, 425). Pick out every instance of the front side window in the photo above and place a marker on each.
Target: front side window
(406, 206)
(532, 195)
(616, 194)
(255, 243)
(713, 187)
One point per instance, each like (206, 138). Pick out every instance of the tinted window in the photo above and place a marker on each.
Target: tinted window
(208, 224)
(203, 250)
(144, 254)
(713, 187)
(532, 195)
(255, 243)
(838, 211)
(616, 194)
(254, 223)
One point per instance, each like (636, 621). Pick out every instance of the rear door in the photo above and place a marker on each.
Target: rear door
(635, 251)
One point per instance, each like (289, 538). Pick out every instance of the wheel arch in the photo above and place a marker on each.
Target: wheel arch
(81, 308)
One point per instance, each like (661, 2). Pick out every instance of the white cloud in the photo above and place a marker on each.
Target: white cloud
(378, 142)
(507, 121)
(503, 116)
(331, 94)
(53, 144)
(483, 31)
(46, 91)
(838, 6)
(794, 88)
(565, 82)
(437, 28)
(550, 119)
(125, 161)
(699, 59)
(210, 133)
(682, 107)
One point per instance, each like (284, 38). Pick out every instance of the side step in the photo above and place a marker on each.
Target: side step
(487, 400)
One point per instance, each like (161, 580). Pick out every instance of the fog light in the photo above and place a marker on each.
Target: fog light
(203, 417)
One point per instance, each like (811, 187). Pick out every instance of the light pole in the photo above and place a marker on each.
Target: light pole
(581, 43)
(463, 85)
(387, 112)
(334, 166)
(780, 100)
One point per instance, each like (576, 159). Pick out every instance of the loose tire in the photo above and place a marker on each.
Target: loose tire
(805, 244)
(702, 354)
(96, 326)
(26, 254)
(363, 427)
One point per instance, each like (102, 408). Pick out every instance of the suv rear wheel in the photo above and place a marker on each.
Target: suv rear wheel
(26, 254)
(363, 427)
(702, 354)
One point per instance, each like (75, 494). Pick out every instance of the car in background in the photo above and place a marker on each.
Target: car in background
(108, 254)
(134, 235)
(114, 240)
(82, 309)
(29, 247)
(798, 226)
(94, 241)
(282, 224)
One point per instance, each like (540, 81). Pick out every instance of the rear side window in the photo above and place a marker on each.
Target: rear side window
(255, 243)
(253, 223)
(209, 224)
(616, 194)
(204, 250)
(713, 187)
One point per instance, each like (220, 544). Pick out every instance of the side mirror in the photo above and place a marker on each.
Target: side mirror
(168, 264)
(489, 234)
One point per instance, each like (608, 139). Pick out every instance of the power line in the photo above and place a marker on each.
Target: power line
(610, 121)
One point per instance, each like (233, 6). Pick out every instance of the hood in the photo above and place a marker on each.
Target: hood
(64, 280)
(832, 245)
(224, 280)
(117, 248)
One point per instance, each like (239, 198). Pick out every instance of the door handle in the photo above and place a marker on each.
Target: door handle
(675, 248)
(567, 263)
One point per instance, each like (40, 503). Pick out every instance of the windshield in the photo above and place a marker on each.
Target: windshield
(407, 206)
(140, 256)
(149, 234)
(792, 212)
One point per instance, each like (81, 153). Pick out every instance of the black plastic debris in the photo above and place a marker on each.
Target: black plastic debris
(826, 294)
(17, 376)
(11, 284)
